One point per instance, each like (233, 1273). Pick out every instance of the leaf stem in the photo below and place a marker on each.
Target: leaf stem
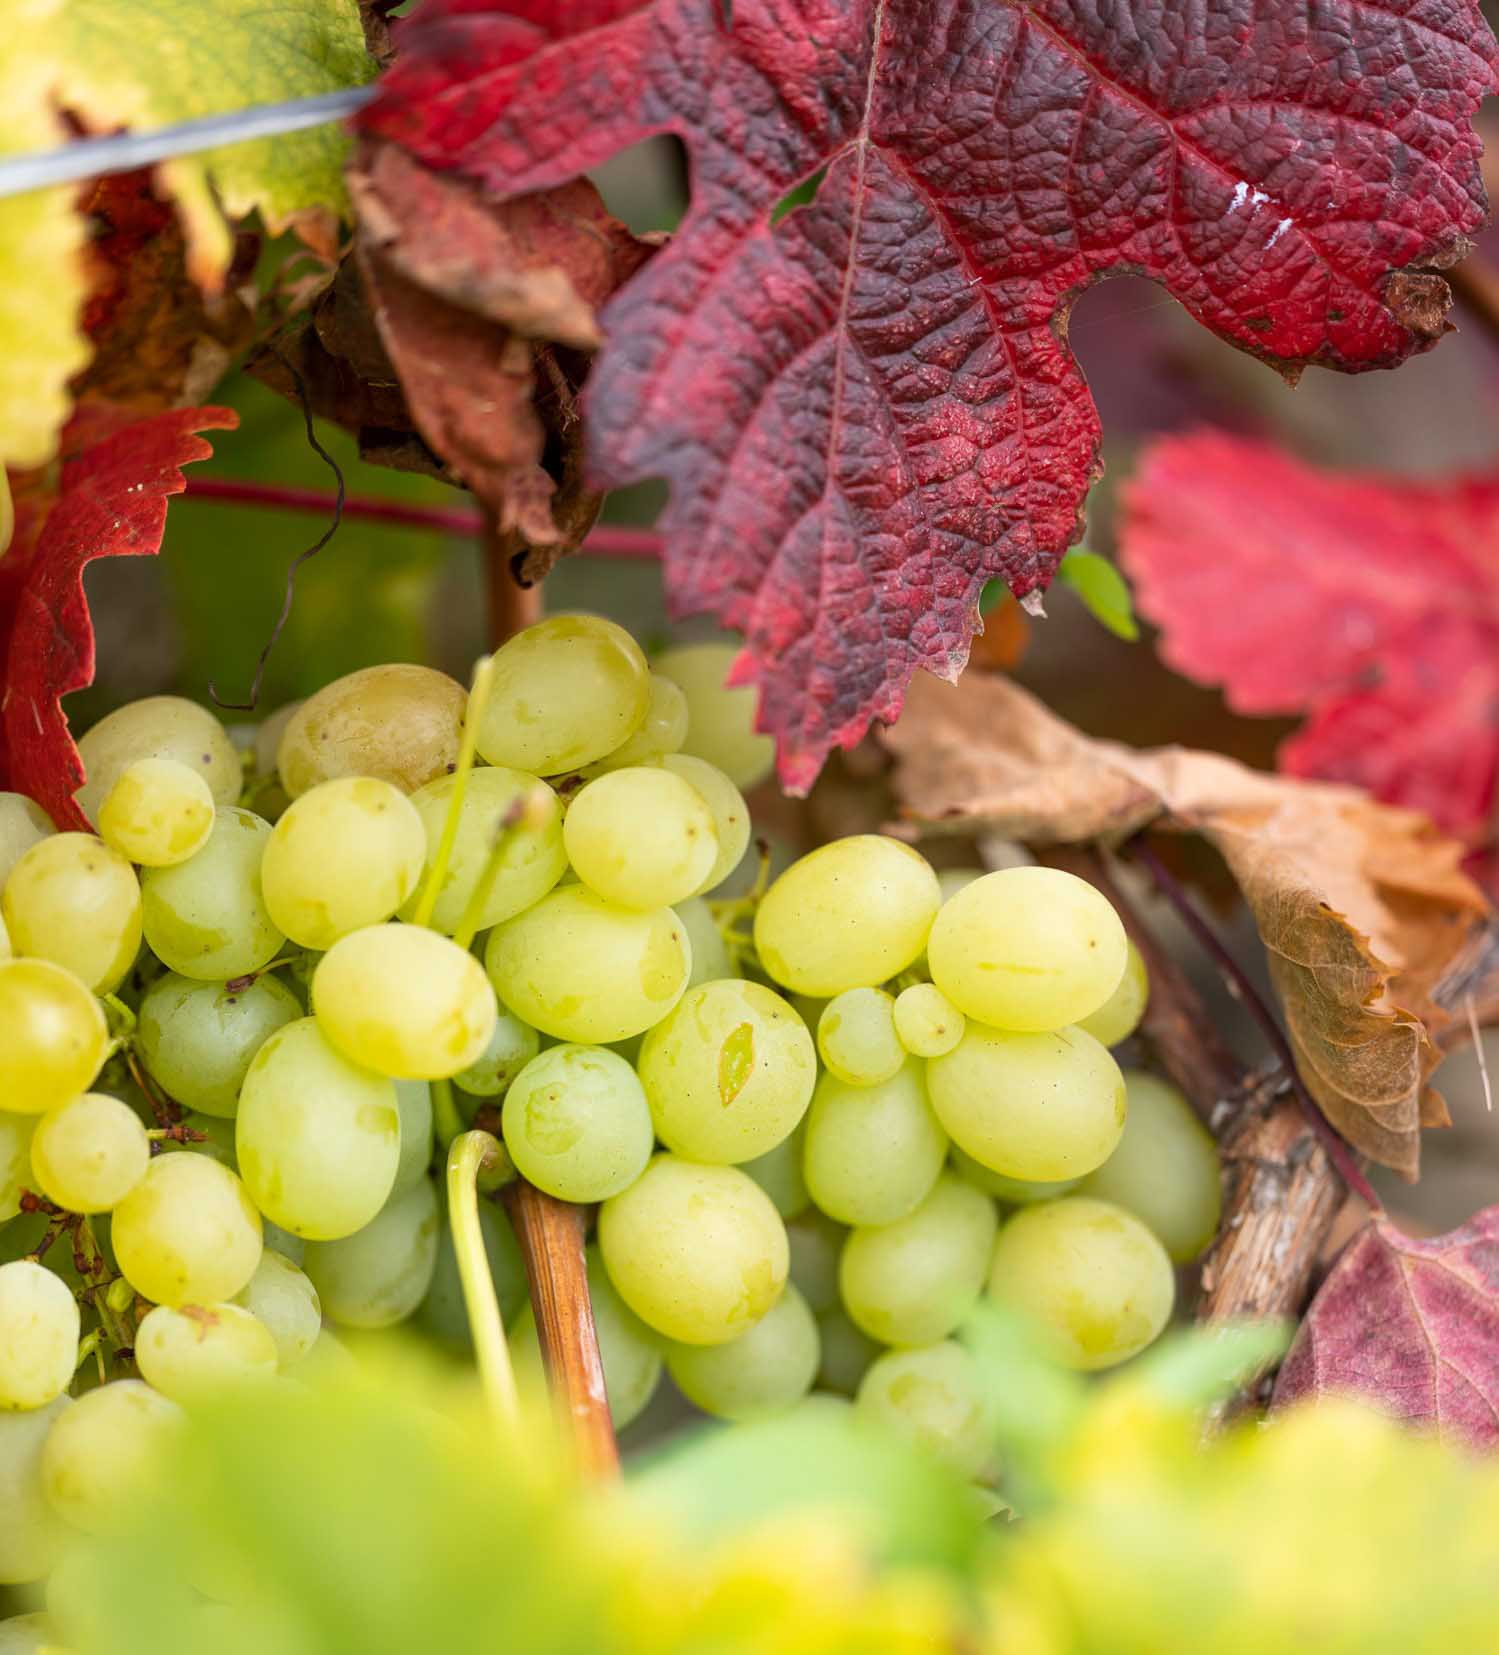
(467, 1158)
(478, 699)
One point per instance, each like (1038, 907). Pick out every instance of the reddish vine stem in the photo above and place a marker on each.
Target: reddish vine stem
(1476, 283)
(512, 606)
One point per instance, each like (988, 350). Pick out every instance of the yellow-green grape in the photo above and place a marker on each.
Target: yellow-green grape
(927, 1023)
(187, 1233)
(414, 1100)
(1031, 949)
(763, 1372)
(39, 1328)
(846, 915)
(640, 837)
(399, 723)
(731, 817)
(160, 727)
(511, 1047)
(268, 734)
(729, 1073)
(564, 692)
(916, 1280)
(698, 1253)
(404, 1001)
(721, 719)
(1032, 1106)
(443, 1313)
(31, 1533)
(1119, 1016)
(15, 1160)
(23, 823)
(55, 1036)
(873, 1152)
(710, 953)
(29, 1635)
(285, 1302)
(217, 1140)
(1089, 1274)
(935, 1395)
(157, 813)
(318, 1137)
(380, 1274)
(197, 1039)
(1165, 1169)
(206, 917)
(816, 1243)
(856, 1036)
(329, 1362)
(192, 1353)
(6, 951)
(346, 854)
(578, 968)
(1013, 1192)
(847, 1351)
(779, 1172)
(952, 880)
(576, 1123)
(531, 858)
(89, 1153)
(662, 730)
(103, 1454)
(76, 902)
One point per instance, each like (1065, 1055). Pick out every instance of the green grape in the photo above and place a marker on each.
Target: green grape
(1063, 1101)
(640, 837)
(1090, 1274)
(1013, 1192)
(160, 727)
(565, 692)
(856, 1036)
(1030, 949)
(443, 1313)
(511, 1047)
(663, 729)
(198, 1039)
(731, 817)
(23, 823)
(847, 1351)
(28, 1635)
(710, 953)
(285, 1303)
(729, 1072)
(191, 1354)
(698, 1253)
(187, 1233)
(39, 1329)
(89, 1153)
(779, 1172)
(6, 951)
(578, 968)
(531, 857)
(15, 1161)
(916, 1280)
(268, 734)
(577, 1124)
(318, 1137)
(816, 1242)
(873, 1152)
(217, 1140)
(935, 1395)
(55, 1036)
(414, 1100)
(763, 1372)
(404, 1001)
(1165, 1169)
(846, 915)
(31, 1535)
(103, 1454)
(157, 813)
(206, 918)
(74, 901)
(1119, 1016)
(952, 880)
(927, 1023)
(344, 855)
(283, 1241)
(398, 723)
(380, 1274)
(721, 718)
(330, 1361)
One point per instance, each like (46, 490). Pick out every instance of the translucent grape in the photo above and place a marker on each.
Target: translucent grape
(1032, 1106)
(935, 1395)
(847, 1351)
(159, 727)
(283, 1241)
(1119, 1016)
(318, 1137)
(856, 1036)
(873, 1152)
(55, 1035)
(511, 1047)
(39, 1329)
(399, 723)
(1164, 1170)
(192, 1353)
(198, 1039)
(578, 968)
(577, 1124)
(729, 1072)
(414, 1100)
(731, 817)
(443, 1312)
(914, 1281)
(330, 1361)
(157, 813)
(380, 1274)
(1030, 949)
(187, 1233)
(103, 1454)
(206, 918)
(847, 915)
(31, 1535)
(6, 951)
(285, 1302)
(268, 734)
(698, 1253)
(23, 823)
(640, 837)
(565, 692)
(779, 1173)
(816, 1243)
(927, 1023)
(345, 854)
(662, 730)
(762, 1372)
(15, 1161)
(89, 1153)
(710, 953)
(1013, 1192)
(1090, 1274)
(28, 1634)
(74, 901)
(721, 720)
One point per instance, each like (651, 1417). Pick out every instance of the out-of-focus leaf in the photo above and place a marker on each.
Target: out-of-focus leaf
(1103, 589)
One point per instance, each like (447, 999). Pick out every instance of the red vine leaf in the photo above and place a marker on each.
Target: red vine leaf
(868, 408)
(1412, 1326)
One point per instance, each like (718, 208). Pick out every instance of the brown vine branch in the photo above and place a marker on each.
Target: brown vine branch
(512, 606)
(1476, 283)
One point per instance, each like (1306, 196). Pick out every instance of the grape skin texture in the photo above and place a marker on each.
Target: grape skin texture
(158, 812)
(30, 1533)
(576, 1123)
(158, 727)
(380, 1274)
(640, 837)
(101, 1454)
(206, 918)
(663, 729)
(189, 1354)
(55, 1036)
(198, 1039)
(89, 1153)
(285, 1302)
(927, 1022)
(762, 1372)
(1090, 1274)
(39, 1329)
(698, 1253)
(15, 1160)
(710, 953)
(511, 1047)
(187, 1233)
(731, 817)
(1119, 1016)
(1013, 1192)
(721, 720)
(23, 823)
(935, 1394)
(847, 915)
(856, 1036)
(76, 902)
(873, 1152)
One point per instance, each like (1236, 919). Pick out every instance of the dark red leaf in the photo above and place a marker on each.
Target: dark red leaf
(1410, 1325)
(111, 501)
(869, 408)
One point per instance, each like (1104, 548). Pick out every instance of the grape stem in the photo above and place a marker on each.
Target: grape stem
(468, 1157)
(446, 1120)
(473, 912)
(478, 699)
